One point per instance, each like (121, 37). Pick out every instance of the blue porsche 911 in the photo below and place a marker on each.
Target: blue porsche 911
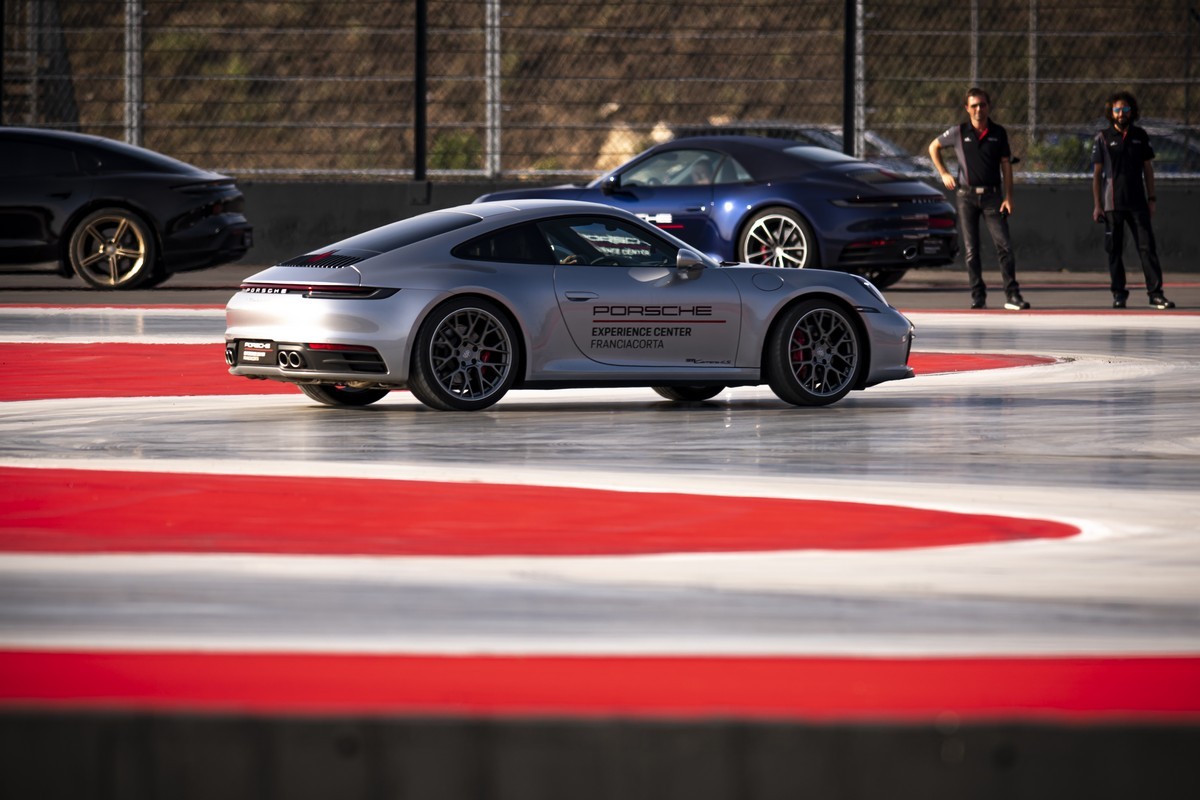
(772, 202)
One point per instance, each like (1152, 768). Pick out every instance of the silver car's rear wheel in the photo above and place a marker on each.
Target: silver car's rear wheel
(778, 237)
(341, 394)
(465, 358)
(814, 355)
(113, 249)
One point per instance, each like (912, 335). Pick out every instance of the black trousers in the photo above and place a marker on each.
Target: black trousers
(1143, 240)
(972, 206)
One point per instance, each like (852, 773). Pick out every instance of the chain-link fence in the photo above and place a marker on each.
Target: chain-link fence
(522, 88)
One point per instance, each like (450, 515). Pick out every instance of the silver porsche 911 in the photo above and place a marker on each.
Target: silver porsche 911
(460, 305)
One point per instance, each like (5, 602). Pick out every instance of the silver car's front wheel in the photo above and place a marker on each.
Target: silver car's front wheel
(465, 358)
(778, 237)
(814, 356)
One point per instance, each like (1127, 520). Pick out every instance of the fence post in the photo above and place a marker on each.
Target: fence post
(492, 80)
(1033, 70)
(133, 72)
(420, 100)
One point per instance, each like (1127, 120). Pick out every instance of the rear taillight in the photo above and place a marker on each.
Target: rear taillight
(329, 292)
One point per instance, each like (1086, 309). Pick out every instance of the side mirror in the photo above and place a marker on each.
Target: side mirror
(688, 262)
(611, 185)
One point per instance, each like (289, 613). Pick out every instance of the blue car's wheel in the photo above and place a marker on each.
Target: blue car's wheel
(814, 354)
(778, 237)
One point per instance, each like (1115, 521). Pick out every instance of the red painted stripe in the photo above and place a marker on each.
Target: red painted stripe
(96, 511)
(1163, 689)
(50, 371)
(932, 363)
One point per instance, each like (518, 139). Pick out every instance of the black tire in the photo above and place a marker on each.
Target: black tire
(814, 354)
(688, 394)
(342, 395)
(882, 278)
(466, 356)
(113, 248)
(778, 237)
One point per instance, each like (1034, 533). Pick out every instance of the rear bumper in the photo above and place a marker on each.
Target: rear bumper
(215, 241)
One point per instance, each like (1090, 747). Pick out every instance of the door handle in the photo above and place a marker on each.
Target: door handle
(579, 297)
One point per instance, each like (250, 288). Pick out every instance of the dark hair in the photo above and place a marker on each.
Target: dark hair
(1125, 97)
(975, 91)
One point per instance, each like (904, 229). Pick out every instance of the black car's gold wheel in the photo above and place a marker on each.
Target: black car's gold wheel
(113, 248)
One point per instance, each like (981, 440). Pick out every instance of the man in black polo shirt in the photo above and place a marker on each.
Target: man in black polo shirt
(983, 189)
(1123, 194)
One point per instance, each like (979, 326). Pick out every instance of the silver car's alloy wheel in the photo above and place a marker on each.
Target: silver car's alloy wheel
(465, 357)
(778, 237)
(112, 249)
(815, 356)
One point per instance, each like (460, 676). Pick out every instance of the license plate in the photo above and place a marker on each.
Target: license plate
(256, 352)
(931, 247)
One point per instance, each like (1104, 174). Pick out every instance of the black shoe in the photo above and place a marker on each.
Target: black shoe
(1158, 301)
(1118, 302)
(1016, 303)
(978, 303)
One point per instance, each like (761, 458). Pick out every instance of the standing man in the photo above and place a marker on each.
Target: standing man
(1123, 194)
(983, 189)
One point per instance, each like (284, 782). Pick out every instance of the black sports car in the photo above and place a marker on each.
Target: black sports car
(773, 202)
(117, 216)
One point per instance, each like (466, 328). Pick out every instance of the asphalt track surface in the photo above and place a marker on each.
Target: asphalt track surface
(1011, 534)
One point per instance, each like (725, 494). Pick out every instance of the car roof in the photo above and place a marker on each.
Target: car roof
(151, 159)
(538, 207)
(764, 157)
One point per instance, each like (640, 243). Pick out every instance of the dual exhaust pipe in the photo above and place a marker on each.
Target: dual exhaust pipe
(286, 359)
(290, 359)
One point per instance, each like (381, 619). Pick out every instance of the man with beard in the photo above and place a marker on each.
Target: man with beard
(1123, 194)
(983, 189)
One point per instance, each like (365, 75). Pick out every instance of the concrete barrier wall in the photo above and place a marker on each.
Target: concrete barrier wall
(1051, 228)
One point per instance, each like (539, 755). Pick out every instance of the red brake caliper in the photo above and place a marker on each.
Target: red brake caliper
(800, 354)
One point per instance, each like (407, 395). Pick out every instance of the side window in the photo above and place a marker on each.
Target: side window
(604, 241)
(23, 159)
(733, 172)
(521, 244)
(680, 168)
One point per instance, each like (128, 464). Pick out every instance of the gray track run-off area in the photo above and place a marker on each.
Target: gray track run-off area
(1108, 438)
